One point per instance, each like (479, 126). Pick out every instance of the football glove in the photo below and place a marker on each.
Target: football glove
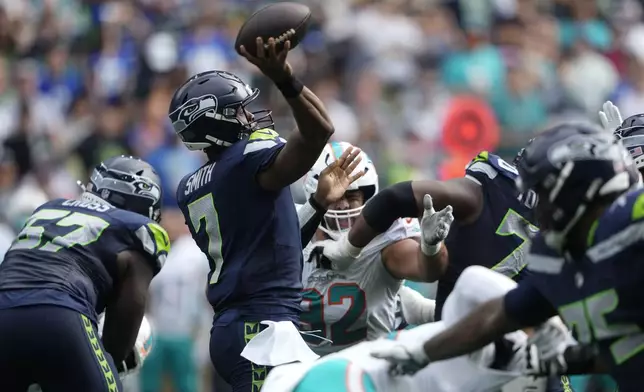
(404, 359)
(551, 338)
(610, 116)
(434, 226)
(546, 349)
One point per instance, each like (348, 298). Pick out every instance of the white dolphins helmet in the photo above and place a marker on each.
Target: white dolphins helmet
(368, 184)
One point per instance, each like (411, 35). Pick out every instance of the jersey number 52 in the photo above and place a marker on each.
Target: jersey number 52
(85, 229)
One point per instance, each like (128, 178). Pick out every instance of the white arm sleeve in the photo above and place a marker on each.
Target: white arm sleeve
(416, 309)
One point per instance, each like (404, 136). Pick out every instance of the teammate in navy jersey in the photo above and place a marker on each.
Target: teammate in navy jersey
(584, 263)
(72, 260)
(238, 206)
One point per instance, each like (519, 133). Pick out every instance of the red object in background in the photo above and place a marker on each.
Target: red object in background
(454, 166)
(470, 126)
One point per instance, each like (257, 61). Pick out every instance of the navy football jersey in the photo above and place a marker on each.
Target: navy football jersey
(599, 296)
(251, 236)
(499, 237)
(65, 254)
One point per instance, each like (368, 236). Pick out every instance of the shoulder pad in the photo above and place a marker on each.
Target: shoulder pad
(623, 218)
(155, 242)
(490, 165)
(263, 139)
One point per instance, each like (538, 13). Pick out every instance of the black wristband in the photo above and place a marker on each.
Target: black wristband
(396, 201)
(290, 88)
(316, 206)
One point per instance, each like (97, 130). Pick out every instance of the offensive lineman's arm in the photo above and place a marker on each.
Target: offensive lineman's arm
(125, 311)
(405, 200)
(523, 306)
(405, 259)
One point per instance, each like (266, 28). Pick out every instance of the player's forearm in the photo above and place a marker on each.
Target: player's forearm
(433, 267)
(304, 145)
(122, 322)
(484, 325)
(313, 121)
(382, 210)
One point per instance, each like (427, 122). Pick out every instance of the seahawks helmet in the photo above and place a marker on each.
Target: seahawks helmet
(209, 109)
(631, 133)
(570, 167)
(128, 183)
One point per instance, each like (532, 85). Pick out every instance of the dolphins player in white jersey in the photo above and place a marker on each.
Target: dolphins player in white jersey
(349, 306)
(356, 369)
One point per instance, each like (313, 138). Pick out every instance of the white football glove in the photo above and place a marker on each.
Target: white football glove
(610, 116)
(341, 253)
(434, 226)
(405, 359)
(546, 348)
(551, 338)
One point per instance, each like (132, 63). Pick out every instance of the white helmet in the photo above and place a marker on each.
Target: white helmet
(368, 184)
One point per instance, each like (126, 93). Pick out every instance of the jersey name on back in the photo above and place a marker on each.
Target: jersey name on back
(70, 246)
(250, 236)
(499, 238)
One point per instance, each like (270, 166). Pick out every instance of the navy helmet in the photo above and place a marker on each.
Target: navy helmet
(631, 133)
(128, 183)
(571, 166)
(209, 110)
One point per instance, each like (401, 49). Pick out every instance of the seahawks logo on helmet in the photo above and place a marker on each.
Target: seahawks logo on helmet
(192, 110)
(148, 190)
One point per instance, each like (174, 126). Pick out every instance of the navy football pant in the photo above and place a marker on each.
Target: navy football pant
(55, 347)
(226, 344)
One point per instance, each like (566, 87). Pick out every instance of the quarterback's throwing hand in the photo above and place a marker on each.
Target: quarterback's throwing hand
(434, 226)
(272, 63)
(404, 360)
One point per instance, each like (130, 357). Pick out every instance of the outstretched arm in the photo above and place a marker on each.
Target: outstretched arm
(405, 200)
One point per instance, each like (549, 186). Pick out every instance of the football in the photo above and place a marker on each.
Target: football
(274, 20)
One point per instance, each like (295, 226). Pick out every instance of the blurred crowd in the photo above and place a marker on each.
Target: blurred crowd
(421, 85)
